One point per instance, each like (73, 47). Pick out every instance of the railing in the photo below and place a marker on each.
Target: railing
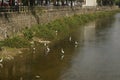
(13, 8)
(28, 8)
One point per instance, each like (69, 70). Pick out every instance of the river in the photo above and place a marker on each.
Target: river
(92, 53)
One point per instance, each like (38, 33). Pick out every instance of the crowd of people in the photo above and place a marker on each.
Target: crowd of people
(37, 2)
(15, 4)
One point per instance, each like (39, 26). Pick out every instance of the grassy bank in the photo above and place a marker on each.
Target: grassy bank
(52, 31)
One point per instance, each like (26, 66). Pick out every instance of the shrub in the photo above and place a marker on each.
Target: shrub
(15, 42)
(28, 34)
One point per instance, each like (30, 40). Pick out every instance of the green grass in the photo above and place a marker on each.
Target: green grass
(15, 42)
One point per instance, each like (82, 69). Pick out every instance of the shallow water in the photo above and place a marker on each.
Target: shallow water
(95, 56)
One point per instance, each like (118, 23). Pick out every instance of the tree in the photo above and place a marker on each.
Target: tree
(105, 2)
(117, 2)
(99, 2)
(32, 2)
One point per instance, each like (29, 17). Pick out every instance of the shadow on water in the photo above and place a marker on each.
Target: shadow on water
(79, 63)
(103, 27)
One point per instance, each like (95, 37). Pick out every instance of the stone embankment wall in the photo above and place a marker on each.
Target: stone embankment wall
(13, 22)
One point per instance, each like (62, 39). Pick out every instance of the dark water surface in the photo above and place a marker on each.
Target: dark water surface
(96, 56)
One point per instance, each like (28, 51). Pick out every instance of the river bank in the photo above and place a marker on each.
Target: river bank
(14, 22)
(47, 33)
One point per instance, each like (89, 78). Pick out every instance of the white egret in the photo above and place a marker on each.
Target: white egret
(45, 44)
(62, 57)
(1, 65)
(48, 49)
(37, 76)
(70, 38)
(34, 48)
(56, 32)
(76, 44)
(32, 42)
(1, 60)
(9, 57)
(62, 51)
(21, 78)
(20, 52)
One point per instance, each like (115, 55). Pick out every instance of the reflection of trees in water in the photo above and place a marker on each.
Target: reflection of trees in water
(104, 23)
(102, 29)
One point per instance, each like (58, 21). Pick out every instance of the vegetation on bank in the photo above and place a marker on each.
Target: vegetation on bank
(52, 31)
